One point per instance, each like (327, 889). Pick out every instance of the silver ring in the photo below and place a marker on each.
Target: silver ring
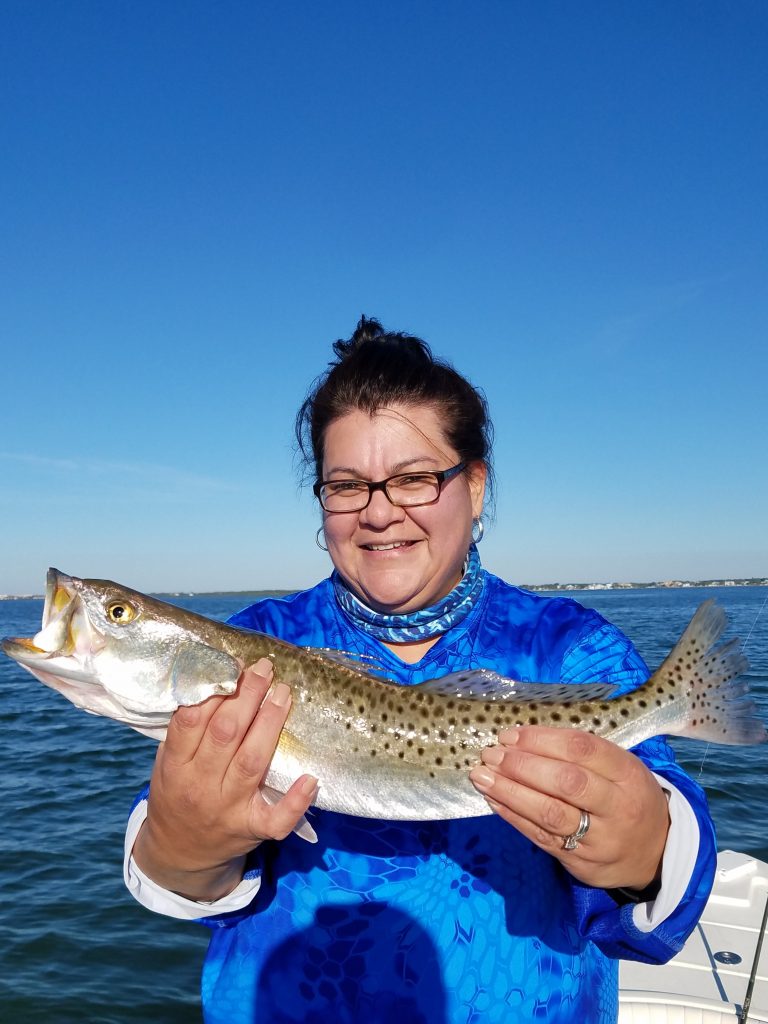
(571, 842)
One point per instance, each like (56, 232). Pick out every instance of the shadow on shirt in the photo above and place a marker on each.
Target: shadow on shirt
(366, 963)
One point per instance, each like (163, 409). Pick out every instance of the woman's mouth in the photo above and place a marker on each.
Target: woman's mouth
(391, 546)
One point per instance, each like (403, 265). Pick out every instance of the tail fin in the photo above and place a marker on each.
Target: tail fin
(719, 711)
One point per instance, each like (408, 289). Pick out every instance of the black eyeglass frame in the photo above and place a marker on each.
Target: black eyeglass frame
(442, 476)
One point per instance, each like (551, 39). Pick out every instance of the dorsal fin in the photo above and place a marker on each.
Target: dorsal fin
(486, 685)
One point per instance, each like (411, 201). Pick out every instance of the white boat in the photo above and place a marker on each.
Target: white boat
(720, 968)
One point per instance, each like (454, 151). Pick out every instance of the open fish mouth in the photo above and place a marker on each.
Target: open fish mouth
(64, 623)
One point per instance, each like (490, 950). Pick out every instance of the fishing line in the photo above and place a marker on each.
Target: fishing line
(752, 627)
(743, 649)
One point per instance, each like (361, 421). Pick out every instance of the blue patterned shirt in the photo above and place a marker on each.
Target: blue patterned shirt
(444, 922)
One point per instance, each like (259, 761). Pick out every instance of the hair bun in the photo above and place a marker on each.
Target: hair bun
(370, 331)
(367, 330)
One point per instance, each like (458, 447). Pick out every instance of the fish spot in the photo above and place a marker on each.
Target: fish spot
(533, 720)
(373, 753)
(556, 716)
(624, 712)
(613, 723)
(603, 707)
(438, 760)
(643, 703)
(575, 719)
(453, 750)
(597, 721)
(658, 703)
(401, 754)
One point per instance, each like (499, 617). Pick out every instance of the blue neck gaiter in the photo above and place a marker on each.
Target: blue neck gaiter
(423, 624)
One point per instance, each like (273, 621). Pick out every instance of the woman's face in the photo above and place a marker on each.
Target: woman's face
(399, 559)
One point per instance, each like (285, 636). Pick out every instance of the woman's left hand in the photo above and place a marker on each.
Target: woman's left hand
(540, 779)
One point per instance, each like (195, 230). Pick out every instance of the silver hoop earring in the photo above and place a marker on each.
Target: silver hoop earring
(477, 530)
(317, 539)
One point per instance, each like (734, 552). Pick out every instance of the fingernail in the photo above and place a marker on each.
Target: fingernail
(509, 737)
(310, 786)
(481, 778)
(281, 695)
(263, 667)
(493, 756)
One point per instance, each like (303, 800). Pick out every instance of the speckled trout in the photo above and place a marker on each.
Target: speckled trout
(379, 749)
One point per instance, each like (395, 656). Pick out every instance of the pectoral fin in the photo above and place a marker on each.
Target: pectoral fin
(200, 671)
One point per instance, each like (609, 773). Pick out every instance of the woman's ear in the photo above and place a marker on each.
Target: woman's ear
(477, 474)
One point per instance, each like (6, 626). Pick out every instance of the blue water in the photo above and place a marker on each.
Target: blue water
(74, 947)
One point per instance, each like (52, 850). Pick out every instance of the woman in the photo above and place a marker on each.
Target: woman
(592, 853)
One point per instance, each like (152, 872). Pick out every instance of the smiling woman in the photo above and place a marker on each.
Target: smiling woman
(400, 558)
(592, 852)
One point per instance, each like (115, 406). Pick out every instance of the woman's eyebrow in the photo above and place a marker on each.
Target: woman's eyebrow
(396, 468)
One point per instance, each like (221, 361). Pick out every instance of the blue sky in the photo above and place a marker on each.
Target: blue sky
(568, 201)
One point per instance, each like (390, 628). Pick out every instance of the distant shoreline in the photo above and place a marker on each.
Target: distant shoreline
(755, 581)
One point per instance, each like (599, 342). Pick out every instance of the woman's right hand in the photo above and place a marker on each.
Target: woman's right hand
(206, 811)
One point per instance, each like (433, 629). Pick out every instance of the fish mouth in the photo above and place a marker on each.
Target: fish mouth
(57, 635)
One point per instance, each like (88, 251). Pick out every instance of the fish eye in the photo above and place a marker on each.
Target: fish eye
(120, 612)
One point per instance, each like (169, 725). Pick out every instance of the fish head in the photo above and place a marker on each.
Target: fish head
(115, 652)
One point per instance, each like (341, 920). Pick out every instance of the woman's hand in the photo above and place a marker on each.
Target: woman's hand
(540, 779)
(206, 811)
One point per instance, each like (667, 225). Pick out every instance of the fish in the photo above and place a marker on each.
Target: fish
(379, 749)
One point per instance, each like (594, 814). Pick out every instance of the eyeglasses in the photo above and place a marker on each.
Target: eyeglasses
(406, 490)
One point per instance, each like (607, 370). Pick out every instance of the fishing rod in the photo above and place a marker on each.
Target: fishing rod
(753, 972)
(758, 948)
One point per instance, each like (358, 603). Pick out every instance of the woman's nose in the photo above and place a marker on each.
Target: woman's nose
(380, 511)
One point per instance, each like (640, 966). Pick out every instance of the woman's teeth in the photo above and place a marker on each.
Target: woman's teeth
(387, 547)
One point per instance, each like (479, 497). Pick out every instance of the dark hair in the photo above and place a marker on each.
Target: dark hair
(377, 368)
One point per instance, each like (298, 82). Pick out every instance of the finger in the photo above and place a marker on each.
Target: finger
(251, 761)
(233, 718)
(287, 812)
(185, 731)
(550, 842)
(572, 745)
(545, 789)
(543, 818)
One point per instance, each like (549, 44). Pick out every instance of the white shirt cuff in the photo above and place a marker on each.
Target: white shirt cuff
(678, 864)
(152, 896)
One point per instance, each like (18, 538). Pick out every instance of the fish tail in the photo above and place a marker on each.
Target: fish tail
(718, 709)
